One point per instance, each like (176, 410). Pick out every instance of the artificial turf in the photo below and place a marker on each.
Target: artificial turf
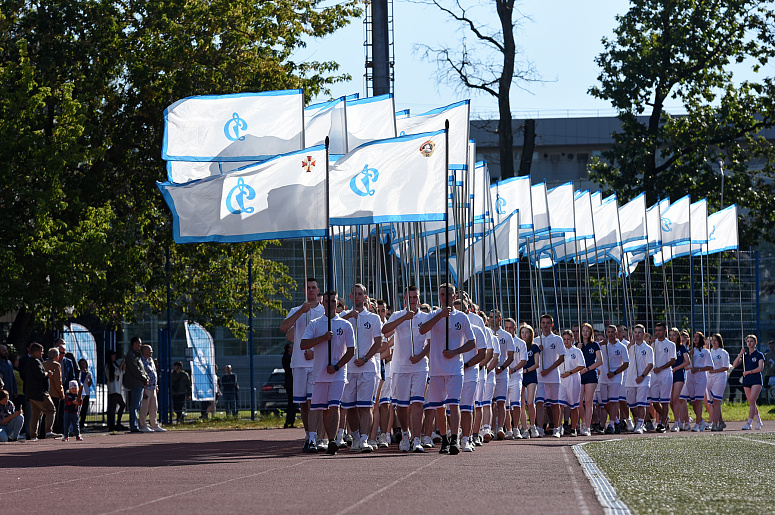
(690, 474)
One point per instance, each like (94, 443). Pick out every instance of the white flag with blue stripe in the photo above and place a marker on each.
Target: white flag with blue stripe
(241, 127)
(282, 197)
(458, 116)
(722, 231)
(393, 180)
(675, 226)
(323, 120)
(370, 119)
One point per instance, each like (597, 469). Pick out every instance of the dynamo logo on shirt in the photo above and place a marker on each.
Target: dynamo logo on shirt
(458, 326)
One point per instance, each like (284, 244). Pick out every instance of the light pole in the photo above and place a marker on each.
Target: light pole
(718, 285)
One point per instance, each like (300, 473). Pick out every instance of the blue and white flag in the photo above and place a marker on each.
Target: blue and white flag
(722, 231)
(509, 195)
(675, 226)
(283, 197)
(242, 127)
(181, 172)
(392, 180)
(698, 214)
(632, 223)
(203, 378)
(323, 120)
(370, 119)
(458, 116)
(83, 345)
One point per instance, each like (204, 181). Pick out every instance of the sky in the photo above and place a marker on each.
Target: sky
(560, 37)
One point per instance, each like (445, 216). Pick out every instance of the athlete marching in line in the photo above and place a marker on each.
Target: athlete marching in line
(717, 380)
(753, 365)
(611, 388)
(593, 359)
(641, 357)
(662, 375)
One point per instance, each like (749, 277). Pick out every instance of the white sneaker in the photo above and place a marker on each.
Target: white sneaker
(340, 441)
(466, 446)
(323, 445)
(557, 432)
(356, 446)
(534, 432)
(638, 429)
(696, 428)
(366, 445)
(159, 429)
(586, 432)
(436, 437)
(417, 445)
(382, 441)
(676, 428)
(541, 432)
(747, 426)
(146, 429)
(405, 445)
(373, 444)
(759, 425)
(517, 435)
(525, 434)
(427, 442)
(686, 426)
(510, 434)
(630, 425)
(702, 425)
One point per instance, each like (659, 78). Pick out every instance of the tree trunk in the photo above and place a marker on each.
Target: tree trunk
(528, 145)
(505, 132)
(21, 329)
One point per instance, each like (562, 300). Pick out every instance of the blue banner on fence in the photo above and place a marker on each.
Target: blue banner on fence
(203, 376)
(83, 345)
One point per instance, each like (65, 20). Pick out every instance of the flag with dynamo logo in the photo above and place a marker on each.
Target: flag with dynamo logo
(392, 180)
(282, 197)
(242, 127)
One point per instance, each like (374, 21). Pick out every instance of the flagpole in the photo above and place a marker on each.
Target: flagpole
(446, 235)
(576, 264)
(329, 245)
(624, 275)
(664, 275)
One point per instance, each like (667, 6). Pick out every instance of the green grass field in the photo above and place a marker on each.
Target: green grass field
(715, 474)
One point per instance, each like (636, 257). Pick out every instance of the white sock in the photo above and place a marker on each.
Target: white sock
(339, 433)
(307, 435)
(405, 434)
(750, 421)
(640, 421)
(356, 436)
(312, 436)
(465, 439)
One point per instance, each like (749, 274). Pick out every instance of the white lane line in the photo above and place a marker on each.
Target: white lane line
(390, 485)
(750, 439)
(582, 503)
(36, 487)
(211, 485)
(604, 491)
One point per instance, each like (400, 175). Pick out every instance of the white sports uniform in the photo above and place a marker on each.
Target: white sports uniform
(570, 387)
(328, 388)
(662, 382)
(612, 389)
(697, 382)
(717, 382)
(490, 380)
(409, 379)
(446, 374)
(362, 382)
(506, 345)
(481, 380)
(303, 377)
(548, 390)
(471, 374)
(640, 357)
(515, 376)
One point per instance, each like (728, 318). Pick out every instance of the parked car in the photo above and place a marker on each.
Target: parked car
(272, 396)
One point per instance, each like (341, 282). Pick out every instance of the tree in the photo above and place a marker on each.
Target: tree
(473, 66)
(82, 89)
(681, 51)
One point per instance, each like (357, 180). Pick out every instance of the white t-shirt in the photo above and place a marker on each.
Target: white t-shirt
(720, 358)
(614, 355)
(367, 326)
(701, 359)
(664, 351)
(406, 333)
(573, 359)
(506, 345)
(640, 356)
(476, 321)
(297, 358)
(459, 334)
(553, 348)
(343, 338)
(472, 373)
(520, 353)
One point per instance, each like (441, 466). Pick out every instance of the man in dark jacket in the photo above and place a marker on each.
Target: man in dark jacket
(180, 383)
(290, 410)
(230, 391)
(135, 380)
(36, 391)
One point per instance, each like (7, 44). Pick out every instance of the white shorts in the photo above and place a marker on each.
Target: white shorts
(695, 386)
(468, 396)
(489, 389)
(548, 393)
(409, 388)
(637, 396)
(386, 392)
(479, 395)
(570, 391)
(501, 386)
(515, 391)
(684, 392)
(444, 390)
(360, 390)
(612, 392)
(325, 395)
(717, 383)
(661, 387)
(303, 381)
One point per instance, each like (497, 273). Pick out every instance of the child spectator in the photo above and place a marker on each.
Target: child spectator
(86, 382)
(73, 401)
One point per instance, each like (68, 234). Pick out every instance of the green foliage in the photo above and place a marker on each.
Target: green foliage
(668, 51)
(83, 85)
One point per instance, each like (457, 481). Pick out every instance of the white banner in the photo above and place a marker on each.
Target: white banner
(458, 116)
(370, 119)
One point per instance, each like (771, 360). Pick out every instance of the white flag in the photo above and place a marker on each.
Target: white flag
(632, 222)
(323, 120)
(699, 235)
(509, 195)
(241, 127)
(370, 119)
(676, 229)
(392, 180)
(283, 197)
(184, 171)
(560, 205)
(458, 116)
(722, 231)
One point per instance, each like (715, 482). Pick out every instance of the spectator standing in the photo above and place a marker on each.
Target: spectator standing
(66, 361)
(230, 390)
(55, 388)
(290, 410)
(149, 407)
(36, 390)
(86, 380)
(135, 379)
(114, 374)
(11, 419)
(180, 383)
(24, 402)
(6, 373)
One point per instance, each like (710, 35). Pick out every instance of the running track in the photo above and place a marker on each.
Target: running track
(262, 471)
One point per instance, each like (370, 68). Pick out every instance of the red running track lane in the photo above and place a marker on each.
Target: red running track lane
(262, 471)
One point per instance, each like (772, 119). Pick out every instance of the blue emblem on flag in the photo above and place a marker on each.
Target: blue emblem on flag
(666, 224)
(712, 235)
(360, 183)
(233, 128)
(500, 205)
(240, 193)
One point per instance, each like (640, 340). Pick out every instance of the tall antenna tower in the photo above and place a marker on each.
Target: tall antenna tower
(378, 44)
